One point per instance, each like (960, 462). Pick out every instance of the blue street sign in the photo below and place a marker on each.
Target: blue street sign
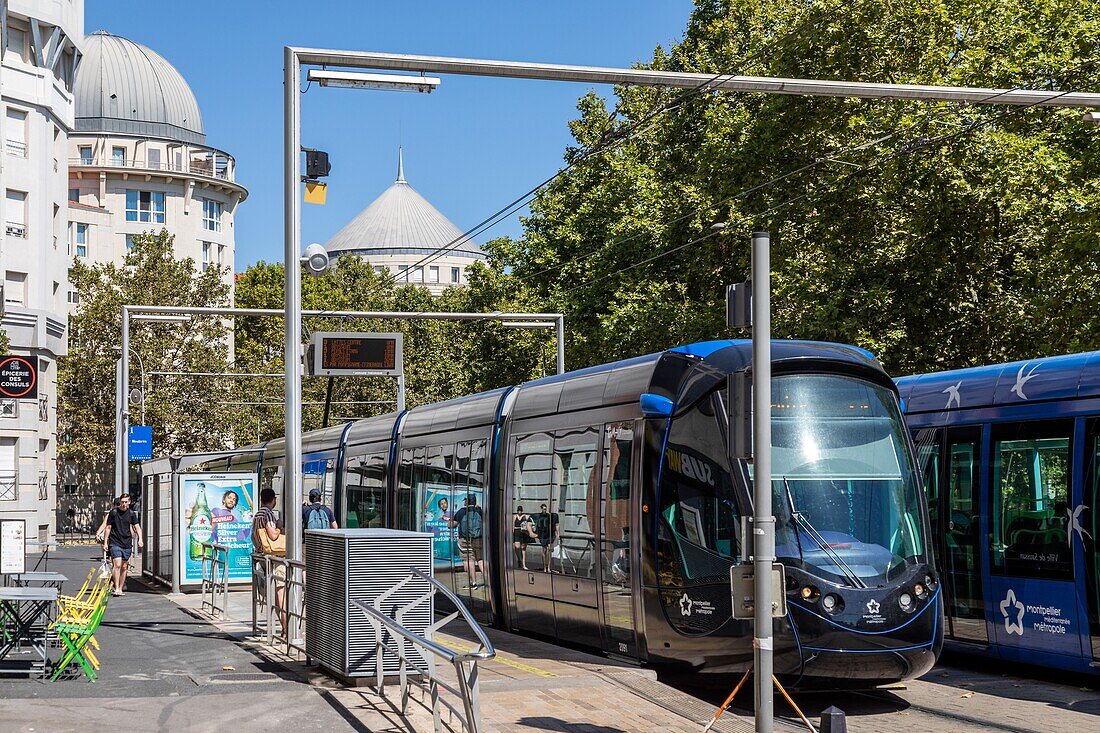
(141, 442)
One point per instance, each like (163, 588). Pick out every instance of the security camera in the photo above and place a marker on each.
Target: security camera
(315, 259)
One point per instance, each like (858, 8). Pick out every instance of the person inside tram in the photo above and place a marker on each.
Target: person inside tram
(470, 521)
(522, 533)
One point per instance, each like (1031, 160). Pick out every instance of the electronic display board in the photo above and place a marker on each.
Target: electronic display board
(357, 354)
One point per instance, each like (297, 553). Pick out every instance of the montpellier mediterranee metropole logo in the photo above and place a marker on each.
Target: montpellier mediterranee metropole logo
(1013, 612)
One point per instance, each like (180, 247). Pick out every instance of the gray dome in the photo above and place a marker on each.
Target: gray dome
(127, 88)
(401, 221)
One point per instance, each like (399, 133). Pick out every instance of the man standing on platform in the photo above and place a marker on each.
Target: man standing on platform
(121, 527)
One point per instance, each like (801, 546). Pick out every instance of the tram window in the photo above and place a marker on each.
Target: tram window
(576, 499)
(272, 478)
(365, 480)
(699, 519)
(1031, 475)
(532, 481)
(408, 477)
(435, 497)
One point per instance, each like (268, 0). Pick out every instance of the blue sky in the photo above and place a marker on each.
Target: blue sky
(470, 147)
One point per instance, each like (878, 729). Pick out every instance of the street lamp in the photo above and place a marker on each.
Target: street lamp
(383, 82)
(315, 260)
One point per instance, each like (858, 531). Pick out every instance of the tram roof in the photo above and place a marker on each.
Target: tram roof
(375, 429)
(1070, 376)
(624, 381)
(463, 412)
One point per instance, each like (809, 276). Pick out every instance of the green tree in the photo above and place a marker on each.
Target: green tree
(185, 412)
(936, 235)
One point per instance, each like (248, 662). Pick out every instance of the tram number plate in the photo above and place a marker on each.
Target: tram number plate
(742, 586)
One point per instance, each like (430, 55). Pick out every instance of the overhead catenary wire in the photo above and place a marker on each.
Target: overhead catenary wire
(914, 147)
(604, 145)
(910, 147)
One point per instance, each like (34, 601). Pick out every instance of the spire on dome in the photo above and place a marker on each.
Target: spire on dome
(400, 166)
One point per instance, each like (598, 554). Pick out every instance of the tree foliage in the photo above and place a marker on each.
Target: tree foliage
(936, 235)
(184, 411)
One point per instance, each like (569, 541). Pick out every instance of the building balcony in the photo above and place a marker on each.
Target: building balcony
(216, 166)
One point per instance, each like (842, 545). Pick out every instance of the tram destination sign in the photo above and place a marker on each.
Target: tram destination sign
(357, 354)
(19, 377)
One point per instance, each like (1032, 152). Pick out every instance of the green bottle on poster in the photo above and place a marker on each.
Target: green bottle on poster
(201, 529)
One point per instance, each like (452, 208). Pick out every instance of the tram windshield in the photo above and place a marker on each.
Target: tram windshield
(846, 495)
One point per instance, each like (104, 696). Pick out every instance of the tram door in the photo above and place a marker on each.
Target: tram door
(949, 460)
(961, 547)
(1091, 540)
(617, 563)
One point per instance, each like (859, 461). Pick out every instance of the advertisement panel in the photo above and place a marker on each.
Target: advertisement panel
(440, 504)
(216, 507)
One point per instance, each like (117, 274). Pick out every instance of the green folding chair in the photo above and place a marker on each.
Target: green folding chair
(76, 637)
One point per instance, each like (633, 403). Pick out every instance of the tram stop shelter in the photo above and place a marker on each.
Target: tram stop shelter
(183, 505)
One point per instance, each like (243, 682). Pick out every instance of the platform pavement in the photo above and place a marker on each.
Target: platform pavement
(530, 686)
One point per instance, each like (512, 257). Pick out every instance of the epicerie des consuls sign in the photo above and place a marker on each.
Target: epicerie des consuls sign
(18, 377)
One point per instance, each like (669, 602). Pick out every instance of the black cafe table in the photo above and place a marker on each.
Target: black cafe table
(25, 614)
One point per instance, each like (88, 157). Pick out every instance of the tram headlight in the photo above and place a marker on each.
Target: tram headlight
(809, 593)
(929, 582)
(905, 600)
(831, 603)
(920, 590)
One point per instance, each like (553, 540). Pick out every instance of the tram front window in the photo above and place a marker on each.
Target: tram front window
(846, 496)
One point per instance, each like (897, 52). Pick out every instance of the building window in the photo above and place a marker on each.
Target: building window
(211, 215)
(17, 43)
(418, 275)
(433, 274)
(15, 133)
(15, 288)
(152, 158)
(379, 269)
(15, 213)
(81, 240)
(403, 272)
(206, 247)
(85, 154)
(74, 297)
(44, 408)
(9, 476)
(118, 156)
(221, 255)
(74, 195)
(146, 206)
(454, 274)
(130, 243)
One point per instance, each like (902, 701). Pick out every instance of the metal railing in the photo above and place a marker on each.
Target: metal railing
(272, 577)
(196, 167)
(215, 578)
(402, 641)
(9, 487)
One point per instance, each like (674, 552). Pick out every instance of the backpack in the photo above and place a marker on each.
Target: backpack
(542, 525)
(470, 526)
(318, 518)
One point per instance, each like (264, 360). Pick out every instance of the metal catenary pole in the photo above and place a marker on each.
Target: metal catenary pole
(292, 306)
(763, 522)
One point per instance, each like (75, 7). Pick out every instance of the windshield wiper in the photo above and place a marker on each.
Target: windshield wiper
(814, 535)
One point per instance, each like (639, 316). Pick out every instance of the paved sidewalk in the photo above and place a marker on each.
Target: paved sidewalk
(164, 670)
(530, 686)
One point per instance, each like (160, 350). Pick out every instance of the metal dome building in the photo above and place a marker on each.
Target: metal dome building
(399, 230)
(139, 162)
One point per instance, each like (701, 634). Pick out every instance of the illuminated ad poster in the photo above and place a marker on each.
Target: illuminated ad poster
(441, 504)
(218, 508)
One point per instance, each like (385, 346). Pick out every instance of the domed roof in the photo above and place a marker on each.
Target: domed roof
(401, 221)
(125, 87)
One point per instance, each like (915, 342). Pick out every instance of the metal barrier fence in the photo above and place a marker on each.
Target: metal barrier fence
(215, 578)
(282, 580)
(403, 641)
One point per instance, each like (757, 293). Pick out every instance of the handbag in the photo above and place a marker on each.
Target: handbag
(276, 547)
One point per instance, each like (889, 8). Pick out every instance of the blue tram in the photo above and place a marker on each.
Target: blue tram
(1009, 456)
(610, 513)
